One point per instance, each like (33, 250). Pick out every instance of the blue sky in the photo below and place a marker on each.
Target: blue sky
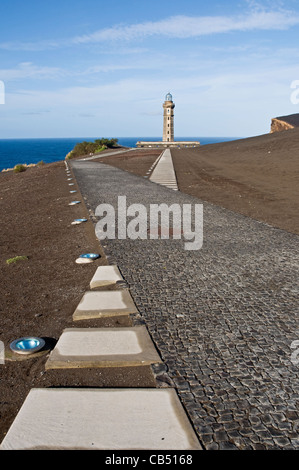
(102, 68)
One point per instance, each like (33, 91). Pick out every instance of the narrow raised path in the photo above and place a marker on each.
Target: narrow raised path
(164, 172)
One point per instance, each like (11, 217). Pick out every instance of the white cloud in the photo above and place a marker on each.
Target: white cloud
(188, 90)
(26, 70)
(188, 27)
(30, 46)
(174, 27)
(222, 104)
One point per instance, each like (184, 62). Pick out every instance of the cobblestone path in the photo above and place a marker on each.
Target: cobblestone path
(223, 318)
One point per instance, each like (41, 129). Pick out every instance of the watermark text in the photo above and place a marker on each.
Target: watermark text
(295, 93)
(160, 221)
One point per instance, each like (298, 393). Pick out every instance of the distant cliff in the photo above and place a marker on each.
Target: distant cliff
(284, 123)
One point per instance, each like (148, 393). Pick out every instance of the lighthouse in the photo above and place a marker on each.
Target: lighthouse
(168, 119)
(168, 130)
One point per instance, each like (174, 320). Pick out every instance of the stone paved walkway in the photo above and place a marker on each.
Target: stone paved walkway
(223, 318)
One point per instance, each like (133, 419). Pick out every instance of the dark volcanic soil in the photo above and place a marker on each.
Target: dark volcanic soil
(39, 295)
(136, 161)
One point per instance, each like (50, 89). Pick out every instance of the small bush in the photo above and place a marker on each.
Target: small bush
(19, 168)
(100, 149)
(41, 163)
(86, 148)
(16, 259)
(69, 155)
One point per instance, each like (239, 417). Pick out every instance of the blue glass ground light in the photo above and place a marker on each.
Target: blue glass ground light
(90, 255)
(27, 345)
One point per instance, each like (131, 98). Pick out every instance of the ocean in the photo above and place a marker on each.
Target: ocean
(15, 151)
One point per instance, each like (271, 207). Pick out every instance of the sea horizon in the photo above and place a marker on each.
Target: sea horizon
(26, 150)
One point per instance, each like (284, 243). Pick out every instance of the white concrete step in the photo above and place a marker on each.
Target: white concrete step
(97, 304)
(101, 419)
(105, 275)
(103, 347)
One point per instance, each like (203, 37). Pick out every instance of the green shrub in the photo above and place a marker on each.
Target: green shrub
(100, 149)
(16, 259)
(19, 168)
(85, 148)
(69, 155)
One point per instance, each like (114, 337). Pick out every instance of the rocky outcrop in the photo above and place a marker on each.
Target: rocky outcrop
(284, 123)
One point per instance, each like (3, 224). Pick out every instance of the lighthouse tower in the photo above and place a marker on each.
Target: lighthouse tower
(168, 119)
(168, 130)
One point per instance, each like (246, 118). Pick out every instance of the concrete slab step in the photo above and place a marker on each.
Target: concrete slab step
(103, 347)
(97, 304)
(101, 419)
(105, 275)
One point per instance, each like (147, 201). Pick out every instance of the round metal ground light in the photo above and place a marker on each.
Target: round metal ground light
(27, 345)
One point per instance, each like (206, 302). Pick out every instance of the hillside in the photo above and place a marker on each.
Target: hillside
(257, 176)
